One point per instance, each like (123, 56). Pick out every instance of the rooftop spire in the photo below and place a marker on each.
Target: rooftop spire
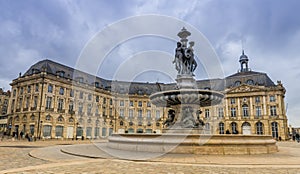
(244, 62)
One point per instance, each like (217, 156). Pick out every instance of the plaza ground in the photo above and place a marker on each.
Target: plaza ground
(57, 156)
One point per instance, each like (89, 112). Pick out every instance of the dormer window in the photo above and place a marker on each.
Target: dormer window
(237, 83)
(250, 82)
(207, 88)
(97, 84)
(80, 79)
(60, 73)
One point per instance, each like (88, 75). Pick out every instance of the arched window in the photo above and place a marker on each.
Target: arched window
(274, 129)
(60, 119)
(97, 122)
(121, 123)
(237, 83)
(250, 82)
(259, 128)
(221, 128)
(89, 120)
(71, 119)
(48, 118)
(17, 118)
(246, 128)
(234, 128)
(245, 110)
(24, 118)
(59, 131)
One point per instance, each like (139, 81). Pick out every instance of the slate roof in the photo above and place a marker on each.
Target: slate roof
(142, 88)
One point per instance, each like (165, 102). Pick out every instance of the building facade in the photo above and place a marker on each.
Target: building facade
(4, 98)
(55, 101)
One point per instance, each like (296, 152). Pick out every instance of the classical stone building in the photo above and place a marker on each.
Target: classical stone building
(4, 98)
(55, 101)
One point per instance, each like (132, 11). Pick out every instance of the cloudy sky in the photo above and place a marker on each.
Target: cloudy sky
(268, 30)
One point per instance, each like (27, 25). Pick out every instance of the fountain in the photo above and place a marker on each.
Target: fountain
(184, 131)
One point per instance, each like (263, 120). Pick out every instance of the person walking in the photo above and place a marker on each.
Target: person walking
(298, 137)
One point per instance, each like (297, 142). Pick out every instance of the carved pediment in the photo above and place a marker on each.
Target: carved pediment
(243, 88)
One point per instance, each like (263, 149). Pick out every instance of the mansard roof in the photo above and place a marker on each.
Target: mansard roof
(256, 78)
(145, 88)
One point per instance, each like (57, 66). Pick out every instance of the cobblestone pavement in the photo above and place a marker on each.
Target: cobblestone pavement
(15, 158)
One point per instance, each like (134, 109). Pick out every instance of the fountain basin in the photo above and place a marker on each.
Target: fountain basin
(186, 96)
(203, 144)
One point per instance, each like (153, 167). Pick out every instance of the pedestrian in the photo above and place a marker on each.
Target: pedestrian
(21, 135)
(298, 137)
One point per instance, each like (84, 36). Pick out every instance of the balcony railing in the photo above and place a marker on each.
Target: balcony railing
(50, 109)
(33, 108)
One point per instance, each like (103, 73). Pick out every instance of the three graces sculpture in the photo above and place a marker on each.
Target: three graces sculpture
(185, 63)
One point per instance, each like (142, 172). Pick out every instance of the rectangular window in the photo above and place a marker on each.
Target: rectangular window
(130, 103)
(245, 111)
(89, 109)
(35, 101)
(37, 87)
(28, 89)
(97, 98)
(148, 114)
(81, 95)
(27, 102)
(97, 111)
(60, 104)
(50, 88)
(110, 101)
(232, 100)
(233, 112)
(122, 113)
(110, 112)
(80, 108)
(157, 116)
(272, 98)
(71, 93)
(71, 106)
(13, 105)
(21, 91)
(206, 113)
(48, 102)
(140, 104)
(122, 103)
(257, 99)
(273, 110)
(90, 97)
(20, 103)
(140, 114)
(220, 112)
(148, 104)
(104, 100)
(130, 114)
(61, 91)
(258, 111)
